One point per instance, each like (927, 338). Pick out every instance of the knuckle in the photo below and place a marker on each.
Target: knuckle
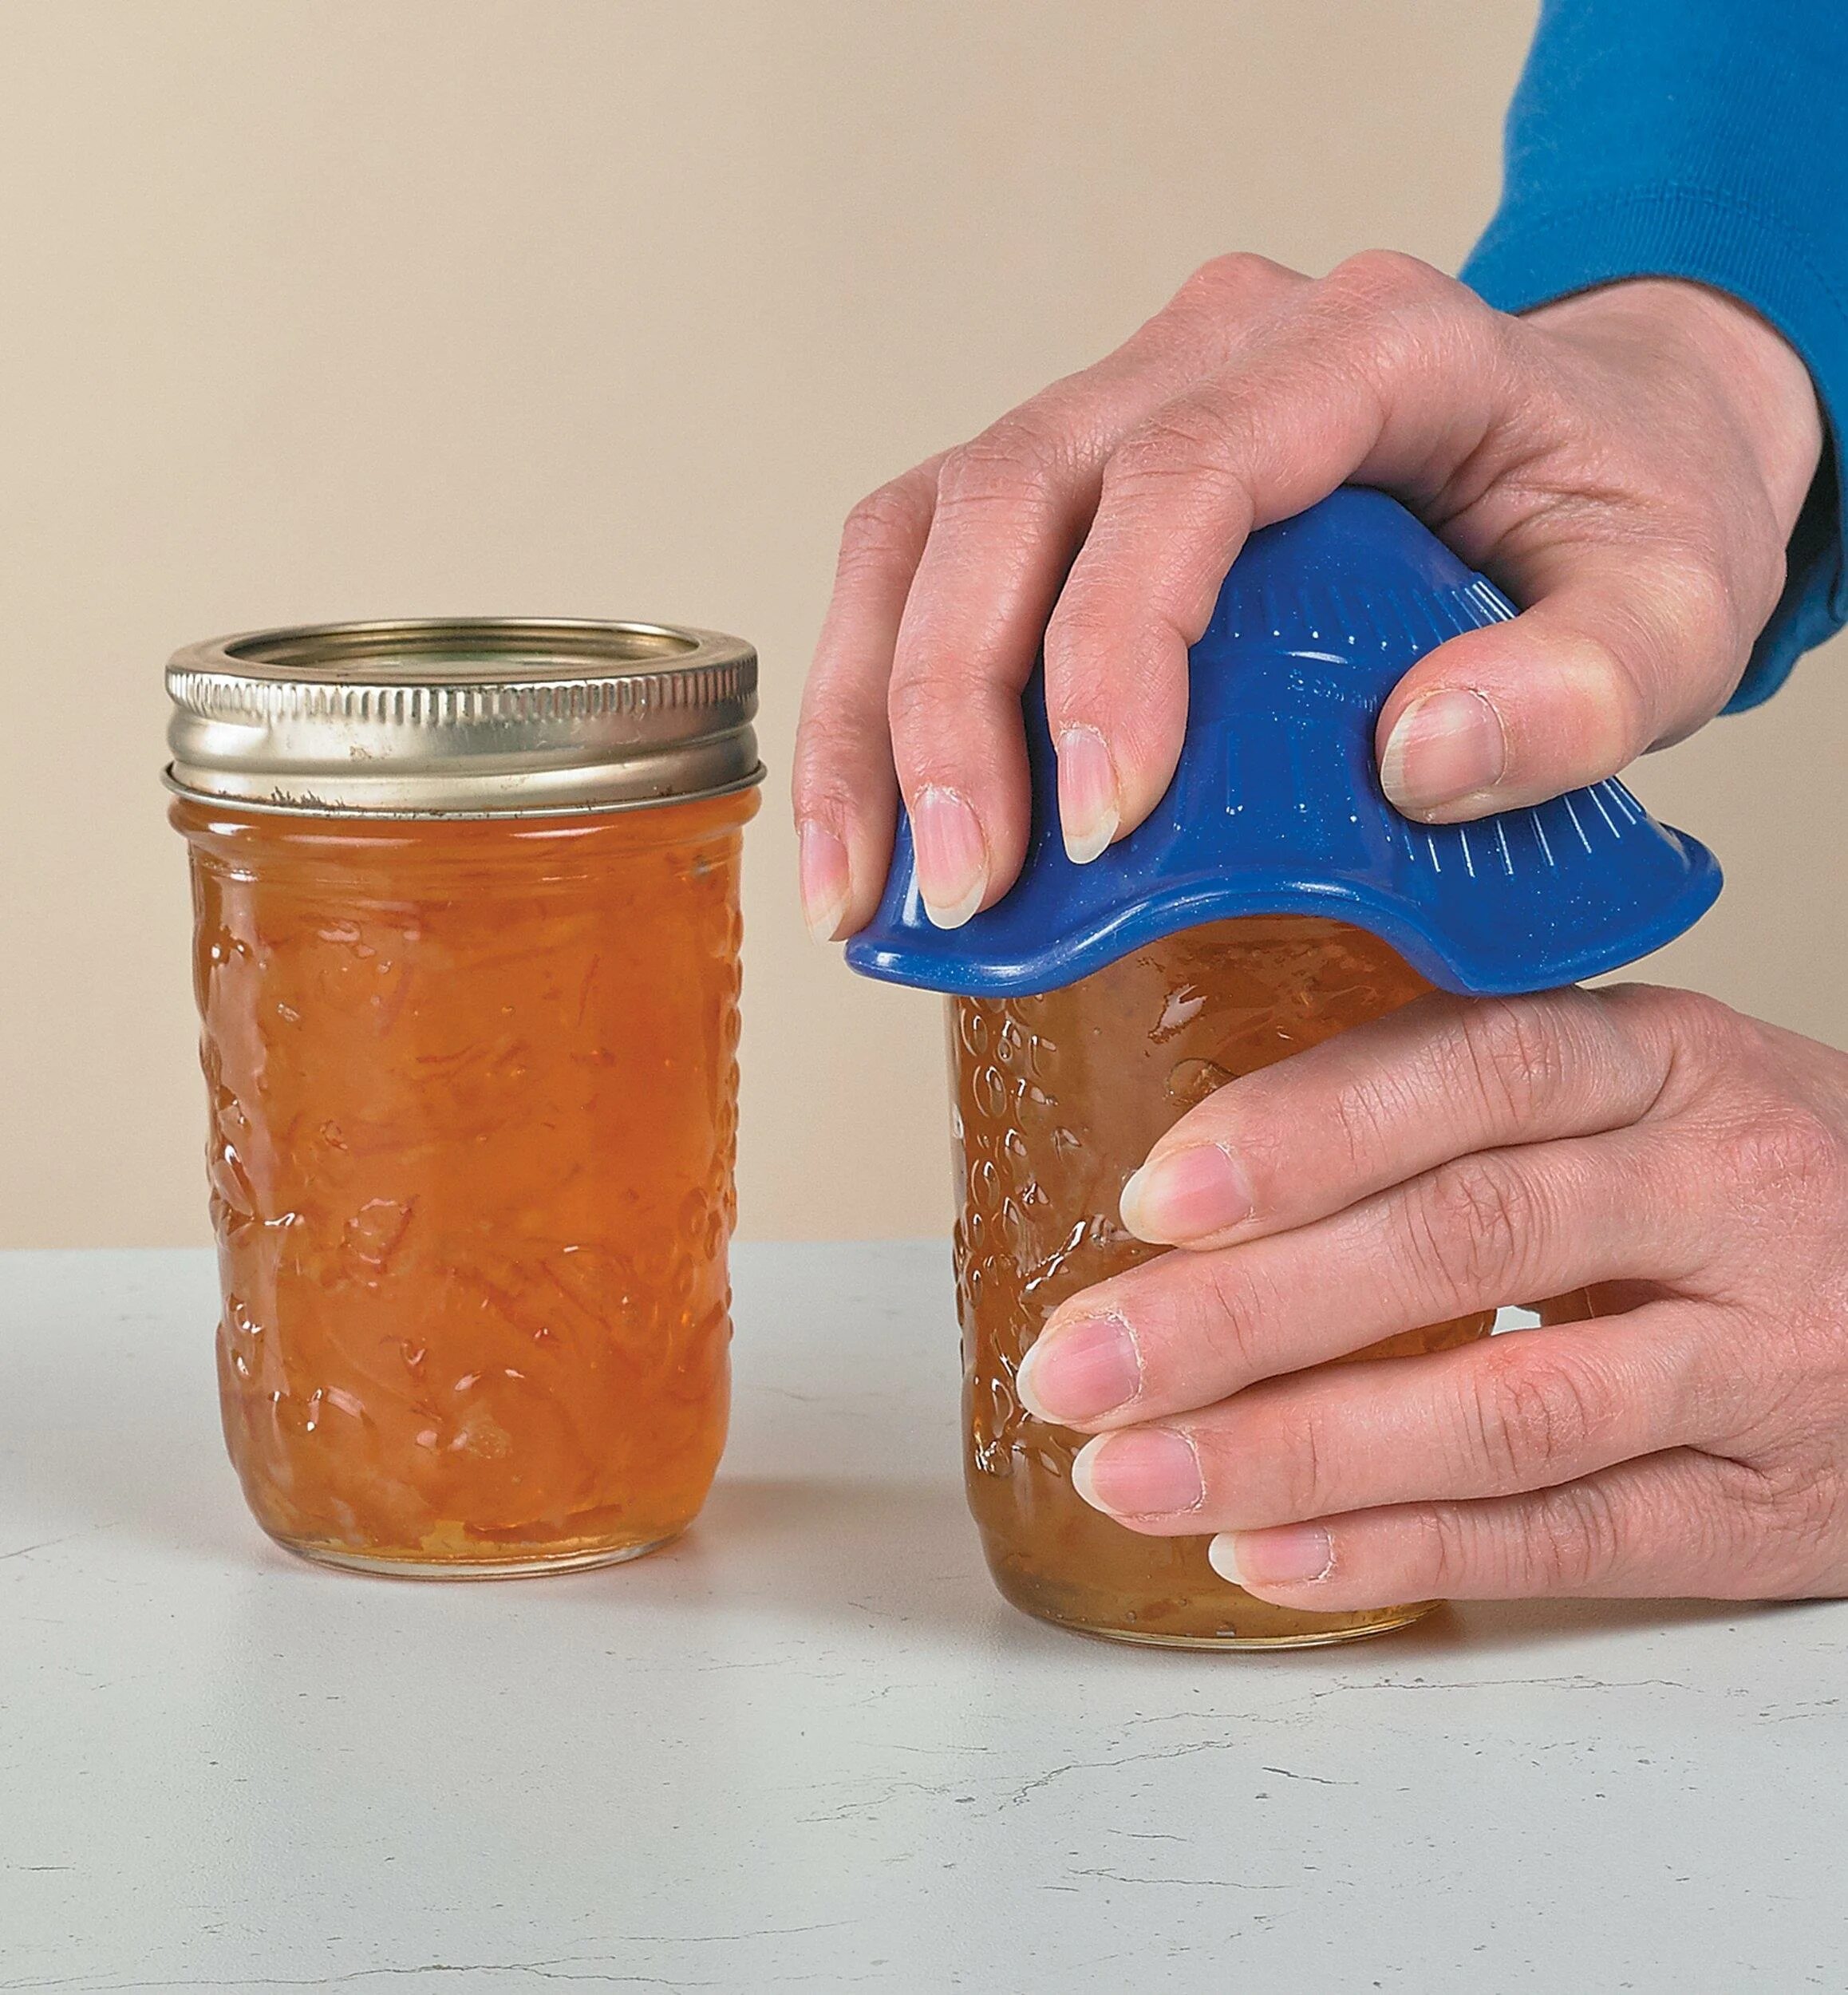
(1228, 1321)
(1574, 1541)
(1186, 442)
(1364, 1115)
(1084, 648)
(1701, 1024)
(1697, 591)
(1377, 280)
(1014, 463)
(1304, 1454)
(1229, 280)
(887, 524)
(1793, 1520)
(1671, 653)
(925, 703)
(1519, 1055)
(1082, 665)
(1181, 432)
(1568, 1540)
(821, 778)
(1111, 656)
(1472, 1227)
(1386, 317)
(1694, 1039)
(1447, 1559)
(1785, 1155)
(1527, 1419)
(1628, 723)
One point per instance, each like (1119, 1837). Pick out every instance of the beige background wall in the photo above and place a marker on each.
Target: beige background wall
(321, 308)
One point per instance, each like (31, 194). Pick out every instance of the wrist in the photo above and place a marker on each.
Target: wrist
(1745, 362)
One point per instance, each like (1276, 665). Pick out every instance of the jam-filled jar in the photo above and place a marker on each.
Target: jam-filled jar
(1059, 1097)
(1272, 898)
(467, 960)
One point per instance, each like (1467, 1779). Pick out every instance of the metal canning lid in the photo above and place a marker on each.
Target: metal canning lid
(462, 717)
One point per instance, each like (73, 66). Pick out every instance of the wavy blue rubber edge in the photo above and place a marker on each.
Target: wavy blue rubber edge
(1276, 808)
(1066, 960)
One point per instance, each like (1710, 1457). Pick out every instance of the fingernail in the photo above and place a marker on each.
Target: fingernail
(1147, 1472)
(823, 870)
(1445, 746)
(1080, 1371)
(952, 857)
(1185, 1195)
(1089, 811)
(1295, 1555)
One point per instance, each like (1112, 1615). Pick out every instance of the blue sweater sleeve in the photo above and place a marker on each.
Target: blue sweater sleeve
(1708, 139)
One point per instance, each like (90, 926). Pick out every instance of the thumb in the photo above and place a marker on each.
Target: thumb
(1622, 656)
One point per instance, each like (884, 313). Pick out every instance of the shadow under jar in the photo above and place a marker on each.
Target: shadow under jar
(467, 958)
(1058, 1098)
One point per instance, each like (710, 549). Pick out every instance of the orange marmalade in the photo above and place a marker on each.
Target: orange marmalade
(466, 954)
(472, 1090)
(1058, 1098)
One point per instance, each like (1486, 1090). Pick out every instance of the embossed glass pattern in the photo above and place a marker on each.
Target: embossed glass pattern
(473, 1112)
(1058, 1098)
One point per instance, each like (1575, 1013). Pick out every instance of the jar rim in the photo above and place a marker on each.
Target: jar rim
(463, 717)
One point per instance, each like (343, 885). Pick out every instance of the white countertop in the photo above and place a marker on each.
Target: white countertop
(808, 1748)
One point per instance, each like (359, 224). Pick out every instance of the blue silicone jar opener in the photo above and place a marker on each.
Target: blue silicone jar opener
(1276, 807)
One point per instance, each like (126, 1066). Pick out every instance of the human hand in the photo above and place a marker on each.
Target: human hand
(1628, 463)
(1688, 1164)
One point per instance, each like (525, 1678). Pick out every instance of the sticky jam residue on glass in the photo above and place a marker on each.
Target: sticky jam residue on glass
(1058, 1098)
(472, 1090)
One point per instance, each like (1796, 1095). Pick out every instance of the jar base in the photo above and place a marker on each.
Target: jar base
(1390, 1622)
(386, 1566)
(1224, 1618)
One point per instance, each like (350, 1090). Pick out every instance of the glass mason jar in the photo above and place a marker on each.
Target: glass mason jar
(1059, 1097)
(466, 961)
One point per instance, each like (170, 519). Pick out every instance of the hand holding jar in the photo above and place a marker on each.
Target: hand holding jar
(1687, 1165)
(1633, 463)
(1630, 462)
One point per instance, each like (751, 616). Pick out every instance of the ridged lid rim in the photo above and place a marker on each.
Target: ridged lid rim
(463, 717)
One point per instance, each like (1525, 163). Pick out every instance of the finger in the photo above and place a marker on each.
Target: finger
(1526, 1411)
(1483, 1230)
(1384, 371)
(1010, 510)
(1620, 650)
(1674, 1524)
(1439, 1079)
(843, 788)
